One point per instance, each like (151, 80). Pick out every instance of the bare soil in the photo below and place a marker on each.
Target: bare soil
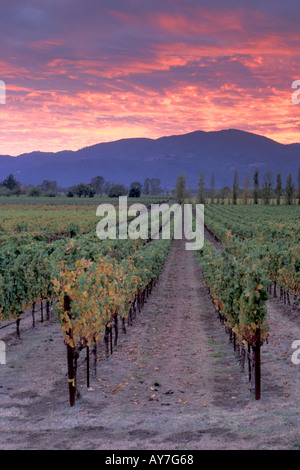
(174, 382)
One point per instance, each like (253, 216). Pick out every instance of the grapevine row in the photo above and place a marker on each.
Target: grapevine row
(275, 246)
(94, 283)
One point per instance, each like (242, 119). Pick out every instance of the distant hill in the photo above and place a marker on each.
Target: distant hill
(127, 160)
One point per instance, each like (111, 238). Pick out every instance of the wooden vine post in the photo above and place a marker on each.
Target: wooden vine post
(70, 358)
(87, 366)
(257, 372)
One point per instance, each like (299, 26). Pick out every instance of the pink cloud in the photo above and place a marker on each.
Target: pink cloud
(160, 73)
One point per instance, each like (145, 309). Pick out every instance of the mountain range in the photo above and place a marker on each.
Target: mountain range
(135, 159)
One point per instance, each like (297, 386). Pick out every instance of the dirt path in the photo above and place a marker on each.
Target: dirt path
(173, 383)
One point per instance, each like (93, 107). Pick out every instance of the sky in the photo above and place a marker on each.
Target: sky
(81, 72)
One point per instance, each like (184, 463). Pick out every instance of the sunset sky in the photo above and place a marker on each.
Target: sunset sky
(80, 72)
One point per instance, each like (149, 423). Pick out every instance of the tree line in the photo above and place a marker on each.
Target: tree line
(98, 185)
(251, 190)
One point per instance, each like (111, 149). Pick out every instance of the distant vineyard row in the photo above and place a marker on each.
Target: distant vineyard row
(46, 221)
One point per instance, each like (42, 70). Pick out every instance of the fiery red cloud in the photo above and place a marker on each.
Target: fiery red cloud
(78, 73)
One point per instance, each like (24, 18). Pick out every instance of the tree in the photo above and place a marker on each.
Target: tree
(50, 193)
(246, 187)
(117, 190)
(225, 193)
(155, 186)
(235, 187)
(97, 183)
(267, 186)
(180, 189)
(278, 189)
(201, 189)
(49, 186)
(135, 189)
(35, 191)
(12, 184)
(256, 186)
(107, 186)
(289, 190)
(146, 189)
(189, 194)
(80, 190)
(212, 188)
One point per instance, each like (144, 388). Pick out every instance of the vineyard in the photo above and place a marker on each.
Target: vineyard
(99, 290)
(261, 251)
(47, 219)
(91, 283)
(270, 236)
